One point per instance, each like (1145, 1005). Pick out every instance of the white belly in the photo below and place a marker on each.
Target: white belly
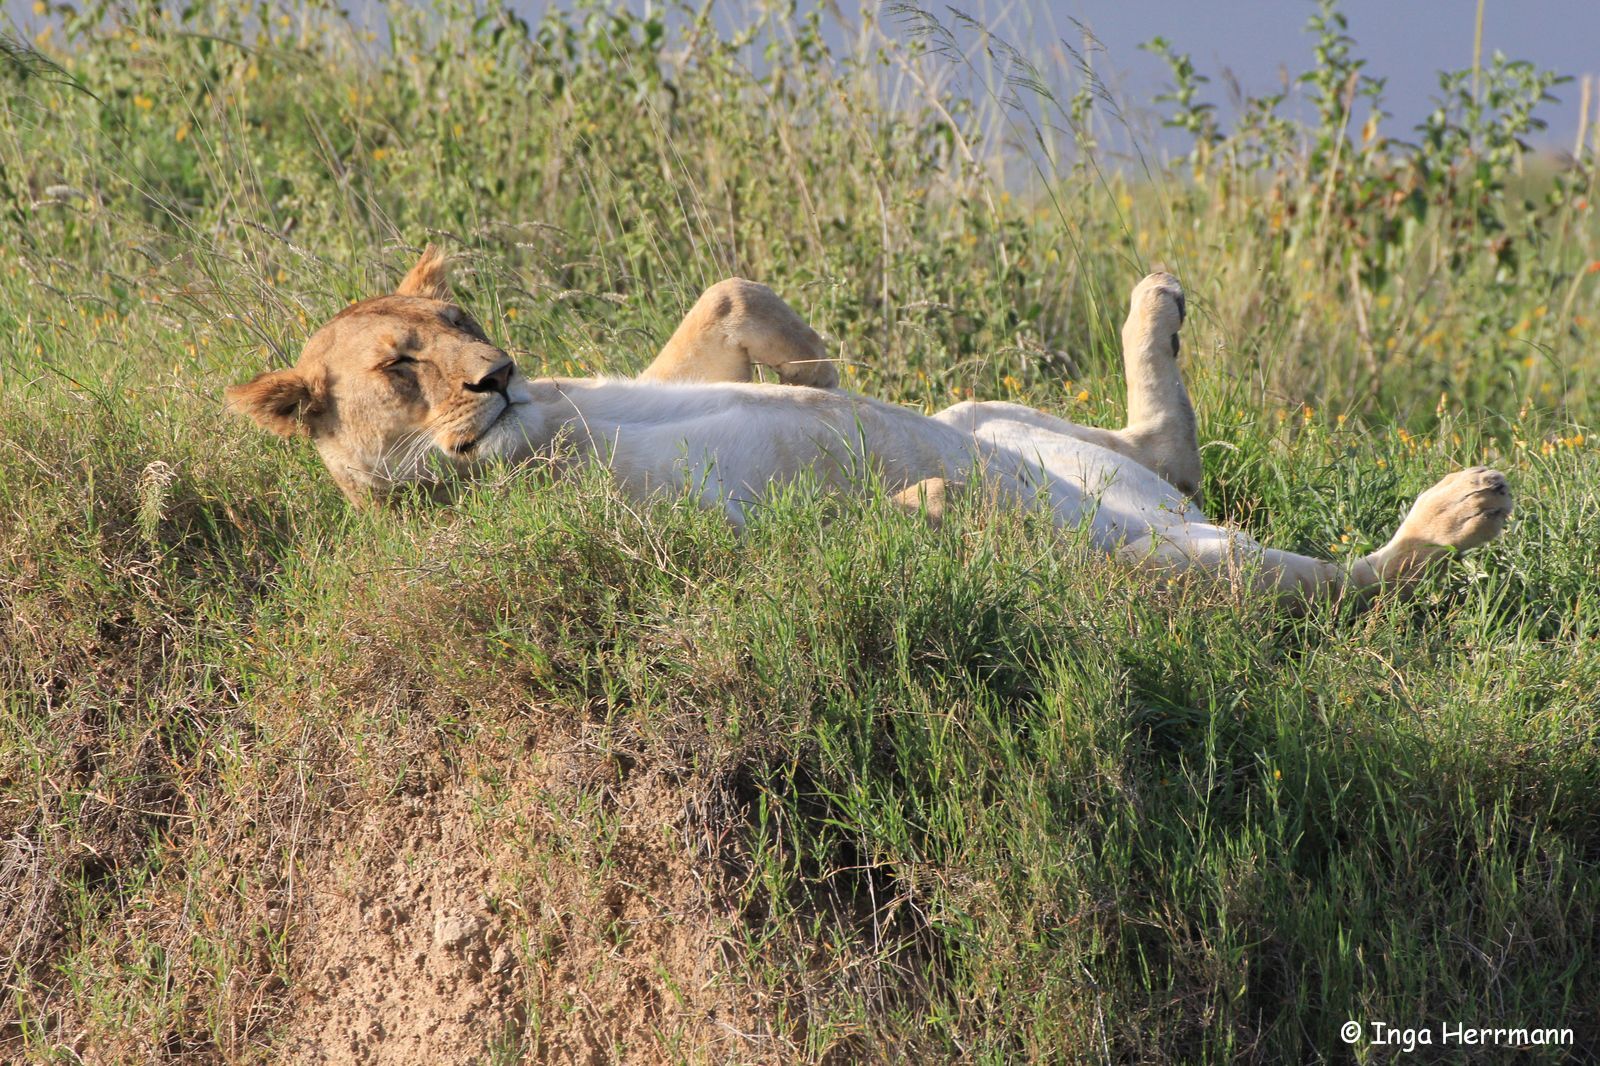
(1123, 501)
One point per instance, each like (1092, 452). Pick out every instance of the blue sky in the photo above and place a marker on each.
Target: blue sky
(1405, 41)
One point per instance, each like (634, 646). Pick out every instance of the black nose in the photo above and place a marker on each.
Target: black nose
(495, 380)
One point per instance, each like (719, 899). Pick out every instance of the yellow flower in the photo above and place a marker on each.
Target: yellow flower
(1011, 383)
(1277, 775)
(380, 154)
(1083, 396)
(143, 103)
(182, 134)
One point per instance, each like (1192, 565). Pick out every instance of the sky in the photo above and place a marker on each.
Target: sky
(1404, 41)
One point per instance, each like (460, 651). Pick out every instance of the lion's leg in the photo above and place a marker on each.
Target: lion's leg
(926, 498)
(969, 414)
(1232, 558)
(1160, 434)
(1183, 476)
(1464, 510)
(736, 325)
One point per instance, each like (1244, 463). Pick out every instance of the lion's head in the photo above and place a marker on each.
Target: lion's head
(394, 390)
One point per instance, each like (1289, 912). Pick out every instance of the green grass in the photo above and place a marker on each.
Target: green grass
(966, 795)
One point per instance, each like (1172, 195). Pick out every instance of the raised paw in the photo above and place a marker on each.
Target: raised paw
(1465, 509)
(817, 372)
(768, 332)
(1159, 293)
(735, 326)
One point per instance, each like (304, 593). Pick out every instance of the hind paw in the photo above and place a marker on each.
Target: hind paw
(1464, 510)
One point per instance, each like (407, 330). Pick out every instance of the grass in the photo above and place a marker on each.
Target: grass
(966, 795)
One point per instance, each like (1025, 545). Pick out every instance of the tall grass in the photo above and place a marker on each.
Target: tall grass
(969, 795)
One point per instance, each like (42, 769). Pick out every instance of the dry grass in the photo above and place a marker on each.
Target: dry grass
(847, 789)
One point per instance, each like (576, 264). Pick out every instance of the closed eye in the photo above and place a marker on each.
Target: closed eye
(396, 360)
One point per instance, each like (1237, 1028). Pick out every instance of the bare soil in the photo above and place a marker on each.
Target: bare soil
(476, 923)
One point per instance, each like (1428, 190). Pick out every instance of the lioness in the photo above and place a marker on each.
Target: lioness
(396, 385)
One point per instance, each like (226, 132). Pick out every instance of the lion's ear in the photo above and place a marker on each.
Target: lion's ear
(279, 400)
(430, 277)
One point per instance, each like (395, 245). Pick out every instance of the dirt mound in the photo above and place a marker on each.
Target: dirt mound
(480, 921)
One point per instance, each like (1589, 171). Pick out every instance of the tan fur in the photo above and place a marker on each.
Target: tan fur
(429, 278)
(738, 325)
(400, 367)
(282, 401)
(1161, 430)
(398, 389)
(927, 499)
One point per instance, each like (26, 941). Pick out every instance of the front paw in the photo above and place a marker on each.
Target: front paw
(816, 373)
